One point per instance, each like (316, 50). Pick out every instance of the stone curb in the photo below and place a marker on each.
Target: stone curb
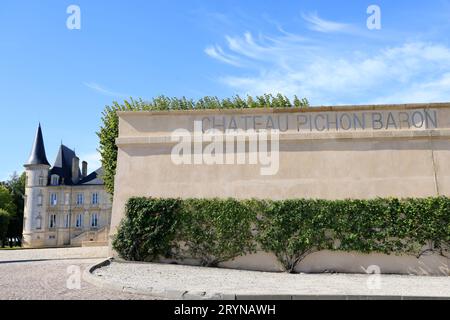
(169, 294)
(154, 292)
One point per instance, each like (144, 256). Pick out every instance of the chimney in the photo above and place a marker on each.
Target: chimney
(75, 170)
(84, 170)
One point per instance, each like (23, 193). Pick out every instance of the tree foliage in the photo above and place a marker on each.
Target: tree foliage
(16, 186)
(7, 200)
(5, 217)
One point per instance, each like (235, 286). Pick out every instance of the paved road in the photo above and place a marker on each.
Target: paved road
(33, 275)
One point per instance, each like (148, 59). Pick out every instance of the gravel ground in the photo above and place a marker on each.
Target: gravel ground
(43, 275)
(161, 277)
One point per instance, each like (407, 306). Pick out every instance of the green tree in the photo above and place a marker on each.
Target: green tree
(16, 186)
(6, 200)
(4, 222)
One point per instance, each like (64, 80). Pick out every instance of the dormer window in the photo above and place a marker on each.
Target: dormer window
(55, 180)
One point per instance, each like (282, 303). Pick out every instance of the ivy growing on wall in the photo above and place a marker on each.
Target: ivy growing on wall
(293, 229)
(109, 129)
(148, 230)
(217, 230)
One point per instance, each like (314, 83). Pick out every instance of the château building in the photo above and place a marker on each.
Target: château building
(64, 206)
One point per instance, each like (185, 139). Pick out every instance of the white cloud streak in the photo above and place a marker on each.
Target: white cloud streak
(408, 72)
(216, 52)
(103, 90)
(316, 23)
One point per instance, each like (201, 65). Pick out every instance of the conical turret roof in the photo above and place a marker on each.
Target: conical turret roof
(38, 156)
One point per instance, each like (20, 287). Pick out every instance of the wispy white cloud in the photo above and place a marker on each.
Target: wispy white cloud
(408, 72)
(216, 52)
(103, 90)
(250, 52)
(321, 25)
(93, 159)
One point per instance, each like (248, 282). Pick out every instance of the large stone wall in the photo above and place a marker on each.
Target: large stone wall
(325, 152)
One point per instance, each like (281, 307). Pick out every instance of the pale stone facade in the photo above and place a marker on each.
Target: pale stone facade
(63, 205)
(324, 152)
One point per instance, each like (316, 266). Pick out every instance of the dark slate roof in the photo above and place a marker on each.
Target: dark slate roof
(38, 156)
(63, 165)
(95, 178)
(63, 168)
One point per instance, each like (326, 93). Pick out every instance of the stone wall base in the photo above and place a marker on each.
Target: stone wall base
(341, 262)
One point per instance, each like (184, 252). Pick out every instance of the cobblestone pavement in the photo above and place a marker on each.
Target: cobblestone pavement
(249, 283)
(33, 275)
(54, 254)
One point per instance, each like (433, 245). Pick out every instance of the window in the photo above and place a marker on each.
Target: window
(94, 220)
(41, 181)
(55, 180)
(79, 221)
(53, 199)
(95, 198)
(80, 199)
(39, 222)
(67, 199)
(39, 200)
(66, 221)
(52, 221)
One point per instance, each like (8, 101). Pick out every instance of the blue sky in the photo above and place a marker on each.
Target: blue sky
(321, 50)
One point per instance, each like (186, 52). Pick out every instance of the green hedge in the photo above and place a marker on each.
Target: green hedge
(218, 230)
(148, 230)
(292, 229)
(109, 130)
